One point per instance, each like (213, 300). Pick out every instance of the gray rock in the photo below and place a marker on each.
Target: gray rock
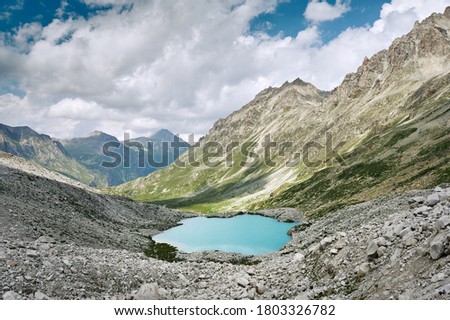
(437, 246)
(444, 195)
(260, 288)
(340, 244)
(422, 210)
(3, 254)
(11, 295)
(409, 239)
(443, 222)
(418, 199)
(32, 253)
(38, 295)
(243, 282)
(45, 239)
(148, 291)
(438, 277)
(433, 199)
(363, 269)
(372, 250)
(251, 293)
(325, 242)
(298, 257)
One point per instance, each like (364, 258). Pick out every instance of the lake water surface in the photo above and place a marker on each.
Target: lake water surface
(246, 234)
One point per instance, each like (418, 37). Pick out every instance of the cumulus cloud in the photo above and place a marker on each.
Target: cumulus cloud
(179, 65)
(320, 11)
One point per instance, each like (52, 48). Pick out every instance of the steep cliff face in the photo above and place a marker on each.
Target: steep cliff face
(390, 120)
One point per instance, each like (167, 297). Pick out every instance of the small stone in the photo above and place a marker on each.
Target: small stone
(437, 246)
(32, 253)
(298, 257)
(404, 232)
(243, 282)
(433, 199)
(340, 244)
(45, 239)
(443, 222)
(444, 196)
(363, 269)
(251, 293)
(260, 288)
(418, 199)
(325, 242)
(409, 239)
(381, 241)
(148, 291)
(3, 254)
(398, 229)
(438, 277)
(38, 295)
(372, 250)
(334, 251)
(11, 295)
(422, 210)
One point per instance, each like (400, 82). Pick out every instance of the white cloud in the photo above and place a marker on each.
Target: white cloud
(179, 65)
(321, 10)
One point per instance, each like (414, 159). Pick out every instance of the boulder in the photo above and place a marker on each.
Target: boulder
(433, 199)
(325, 242)
(243, 282)
(32, 253)
(372, 250)
(38, 295)
(148, 291)
(363, 269)
(443, 222)
(409, 239)
(11, 295)
(437, 246)
(438, 277)
(298, 257)
(340, 244)
(260, 288)
(422, 210)
(45, 239)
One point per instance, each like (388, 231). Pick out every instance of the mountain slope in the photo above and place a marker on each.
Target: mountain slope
(389, 122)
(41, 149)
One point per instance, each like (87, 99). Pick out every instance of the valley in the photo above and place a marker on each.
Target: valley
(367, 185)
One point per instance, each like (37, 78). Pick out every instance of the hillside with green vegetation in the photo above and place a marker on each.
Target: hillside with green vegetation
(386, 126)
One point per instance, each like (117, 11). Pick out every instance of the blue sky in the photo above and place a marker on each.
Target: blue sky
(289, 20)
(71, 67)
(286, 20)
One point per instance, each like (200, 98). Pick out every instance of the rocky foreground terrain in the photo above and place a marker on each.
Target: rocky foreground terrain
(59, 241)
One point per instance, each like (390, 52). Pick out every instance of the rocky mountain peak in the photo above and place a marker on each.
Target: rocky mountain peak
(423, 52)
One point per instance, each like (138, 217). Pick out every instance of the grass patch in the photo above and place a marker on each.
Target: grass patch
(402, 134)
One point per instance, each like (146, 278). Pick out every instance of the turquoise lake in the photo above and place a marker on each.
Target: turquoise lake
(246, 234)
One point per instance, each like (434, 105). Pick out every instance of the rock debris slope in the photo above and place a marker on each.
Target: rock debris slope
(62, 242)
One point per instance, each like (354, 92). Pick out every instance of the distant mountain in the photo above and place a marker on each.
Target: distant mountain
(163, 142)
(43, 150)
(89, 151)
(389, 122)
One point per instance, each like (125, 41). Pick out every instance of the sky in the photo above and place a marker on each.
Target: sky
(69, 67)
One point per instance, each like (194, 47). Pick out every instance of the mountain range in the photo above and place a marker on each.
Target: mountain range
(385, 129)
(82, 158)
